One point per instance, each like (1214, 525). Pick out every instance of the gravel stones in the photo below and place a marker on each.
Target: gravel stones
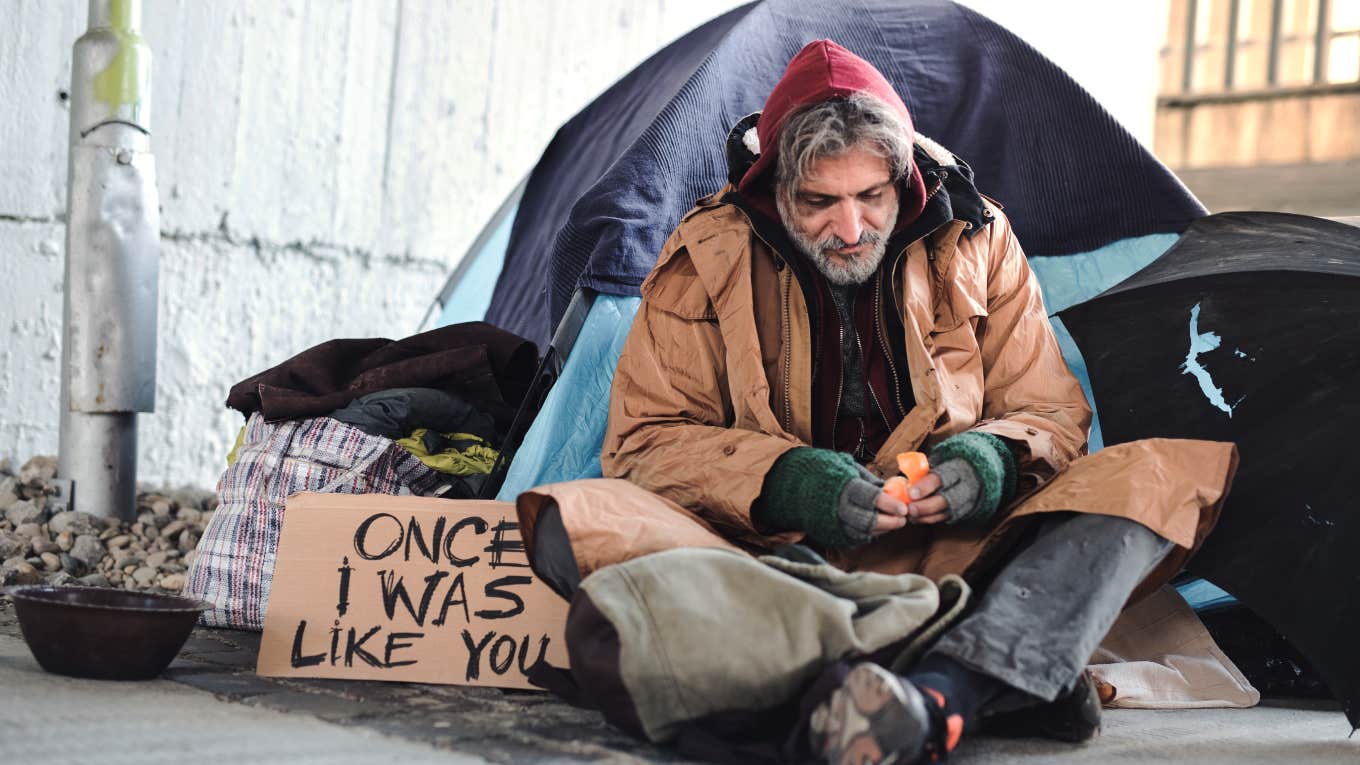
(73, 566)
(24, 511)
(124, 558)
(9, 491)
(163, 559)
(43, 541)
(18, 571)
(61, 579)
(75, 522)
(38, 471)
(11, 545)
(29, 530)
(88, 550)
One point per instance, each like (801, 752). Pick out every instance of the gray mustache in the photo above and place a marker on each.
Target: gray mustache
(834, 242)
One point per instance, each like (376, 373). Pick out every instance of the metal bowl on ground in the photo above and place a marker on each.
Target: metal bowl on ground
(103, 633)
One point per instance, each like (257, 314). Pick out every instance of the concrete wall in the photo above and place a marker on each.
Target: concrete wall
(324, 164)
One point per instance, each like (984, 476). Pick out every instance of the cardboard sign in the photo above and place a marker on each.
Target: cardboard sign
(414, 589)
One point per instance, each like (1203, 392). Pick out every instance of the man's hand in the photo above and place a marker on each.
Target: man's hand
(927, 506)
(892, 513)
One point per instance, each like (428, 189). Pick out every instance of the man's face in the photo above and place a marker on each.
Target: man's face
(842, 214)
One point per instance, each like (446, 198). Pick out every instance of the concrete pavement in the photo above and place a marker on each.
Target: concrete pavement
(51, 719)
(211, 707)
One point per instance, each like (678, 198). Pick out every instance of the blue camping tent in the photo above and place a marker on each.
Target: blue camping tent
(1089, 204)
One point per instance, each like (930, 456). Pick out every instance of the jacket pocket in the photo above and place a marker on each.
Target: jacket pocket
(960, 298)
(674, 286)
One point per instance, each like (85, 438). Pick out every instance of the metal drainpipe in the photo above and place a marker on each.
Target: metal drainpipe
(112, 262)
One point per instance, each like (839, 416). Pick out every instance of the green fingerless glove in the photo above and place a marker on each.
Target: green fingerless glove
(994, 465)
(822, 493)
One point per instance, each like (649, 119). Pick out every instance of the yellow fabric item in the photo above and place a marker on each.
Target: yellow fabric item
(236, 447)
(477, 459)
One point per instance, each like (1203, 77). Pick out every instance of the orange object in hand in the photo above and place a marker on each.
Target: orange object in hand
(914, 467)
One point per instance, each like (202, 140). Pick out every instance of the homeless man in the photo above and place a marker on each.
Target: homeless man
(852, 296)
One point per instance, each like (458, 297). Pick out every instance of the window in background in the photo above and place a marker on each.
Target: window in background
(1210, 25)
(1219, 46)
(1260, 104)
(1251, 54)
(1296, 43)
(1343, 47)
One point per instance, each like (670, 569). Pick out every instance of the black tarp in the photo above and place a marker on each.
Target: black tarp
(617, 177)
(1248, 330)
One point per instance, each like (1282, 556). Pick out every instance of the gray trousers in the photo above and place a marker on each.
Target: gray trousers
(1042, 616)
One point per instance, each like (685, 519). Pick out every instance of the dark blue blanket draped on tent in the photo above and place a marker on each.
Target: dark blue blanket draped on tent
(617, 178)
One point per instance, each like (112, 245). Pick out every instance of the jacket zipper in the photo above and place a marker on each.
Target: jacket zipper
(861, 454)
(869, 387)
(788, 329)
(840, 385)
(887, 350)
(788, 354)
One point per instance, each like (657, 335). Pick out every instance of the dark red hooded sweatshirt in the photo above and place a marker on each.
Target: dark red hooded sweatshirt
(823, 71)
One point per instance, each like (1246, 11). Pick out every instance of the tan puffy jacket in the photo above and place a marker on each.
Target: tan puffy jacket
(715, 383)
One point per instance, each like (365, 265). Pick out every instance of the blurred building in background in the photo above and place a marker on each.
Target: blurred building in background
(1259, 104)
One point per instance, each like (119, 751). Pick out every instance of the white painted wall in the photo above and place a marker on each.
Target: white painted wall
(324, 164)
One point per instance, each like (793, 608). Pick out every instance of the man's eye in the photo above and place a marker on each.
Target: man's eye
(870, 196)
(818, 203)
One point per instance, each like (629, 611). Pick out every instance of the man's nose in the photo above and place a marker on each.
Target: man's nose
(846, 223)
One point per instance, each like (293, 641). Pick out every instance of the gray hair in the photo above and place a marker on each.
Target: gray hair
(832, 128)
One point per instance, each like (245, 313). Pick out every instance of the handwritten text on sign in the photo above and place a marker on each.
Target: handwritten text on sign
(408, 589)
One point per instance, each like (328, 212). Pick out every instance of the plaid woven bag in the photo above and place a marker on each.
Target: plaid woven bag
(235, 563)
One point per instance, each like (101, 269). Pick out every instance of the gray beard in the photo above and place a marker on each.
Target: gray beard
(857, 270)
